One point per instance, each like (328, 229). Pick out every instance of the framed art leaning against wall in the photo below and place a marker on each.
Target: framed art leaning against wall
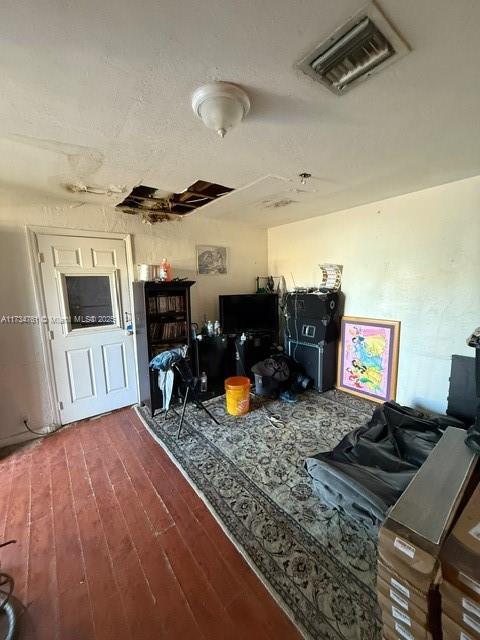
(368, 358)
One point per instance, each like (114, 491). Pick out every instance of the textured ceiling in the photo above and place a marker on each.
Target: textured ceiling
(100, 91)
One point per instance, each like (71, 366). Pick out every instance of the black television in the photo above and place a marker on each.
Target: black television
(256, 312)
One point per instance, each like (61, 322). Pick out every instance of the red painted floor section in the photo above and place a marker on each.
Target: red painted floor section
(114, 544)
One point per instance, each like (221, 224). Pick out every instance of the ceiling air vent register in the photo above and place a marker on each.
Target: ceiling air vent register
(363, 46)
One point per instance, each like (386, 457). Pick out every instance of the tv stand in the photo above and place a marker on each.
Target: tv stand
(257, 346)
(227, 355)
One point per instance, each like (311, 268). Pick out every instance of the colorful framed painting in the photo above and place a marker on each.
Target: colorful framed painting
(368, 358)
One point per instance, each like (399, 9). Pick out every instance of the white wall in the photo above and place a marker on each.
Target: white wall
(413, 258)
(22, 374)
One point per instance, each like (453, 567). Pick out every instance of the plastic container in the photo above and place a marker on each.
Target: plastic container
(146, 272)
(237, 390)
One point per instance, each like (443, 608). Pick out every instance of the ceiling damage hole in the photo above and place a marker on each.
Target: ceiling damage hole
(155, 205)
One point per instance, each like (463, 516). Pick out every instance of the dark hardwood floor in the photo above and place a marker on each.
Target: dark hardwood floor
(113, 543)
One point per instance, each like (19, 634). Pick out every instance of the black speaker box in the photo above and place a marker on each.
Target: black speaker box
(312, 318)
(318, 361)
(313, 305)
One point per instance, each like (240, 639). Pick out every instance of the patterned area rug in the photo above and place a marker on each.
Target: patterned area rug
(320, 564)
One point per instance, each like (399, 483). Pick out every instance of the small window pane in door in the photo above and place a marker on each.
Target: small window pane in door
(89, 301)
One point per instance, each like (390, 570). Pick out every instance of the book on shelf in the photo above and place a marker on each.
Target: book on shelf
(164, 304)
(168, 330)
(152, 304)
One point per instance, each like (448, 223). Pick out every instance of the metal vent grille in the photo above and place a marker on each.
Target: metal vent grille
(361, 47)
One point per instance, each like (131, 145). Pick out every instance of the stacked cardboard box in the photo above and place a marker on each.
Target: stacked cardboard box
(412, 536)
(460, 589)
(410, 607)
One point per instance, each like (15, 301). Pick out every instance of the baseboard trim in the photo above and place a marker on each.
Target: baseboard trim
(19, 438)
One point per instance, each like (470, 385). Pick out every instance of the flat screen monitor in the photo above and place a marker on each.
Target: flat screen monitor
(250, 312)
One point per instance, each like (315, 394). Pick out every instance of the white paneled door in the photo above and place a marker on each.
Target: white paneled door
(86, 289)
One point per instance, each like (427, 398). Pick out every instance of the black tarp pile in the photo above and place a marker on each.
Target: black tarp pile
(370, 468)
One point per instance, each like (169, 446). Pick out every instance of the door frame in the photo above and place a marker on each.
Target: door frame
(32, 232)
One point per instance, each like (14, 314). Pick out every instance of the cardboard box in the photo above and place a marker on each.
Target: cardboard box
(416, 566)
(452, 631)
(391, 634)
(402, 634)
(396, 609)
(458, 597)
(389, 597)
(414, 531)
(460, 556)
(461, 609)
(400, 628)
(418, 588)
(419, 598)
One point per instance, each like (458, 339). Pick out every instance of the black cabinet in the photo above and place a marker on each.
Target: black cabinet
(162, 321)
(228, 355)
(256, 347)
(214, 356)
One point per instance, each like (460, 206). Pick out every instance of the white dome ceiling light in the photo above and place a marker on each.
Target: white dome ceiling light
(220, 105)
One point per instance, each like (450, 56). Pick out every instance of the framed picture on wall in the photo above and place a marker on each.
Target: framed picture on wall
(211, 260)
(368, 358)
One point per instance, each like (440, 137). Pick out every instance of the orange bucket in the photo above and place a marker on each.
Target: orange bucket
(237, 391)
